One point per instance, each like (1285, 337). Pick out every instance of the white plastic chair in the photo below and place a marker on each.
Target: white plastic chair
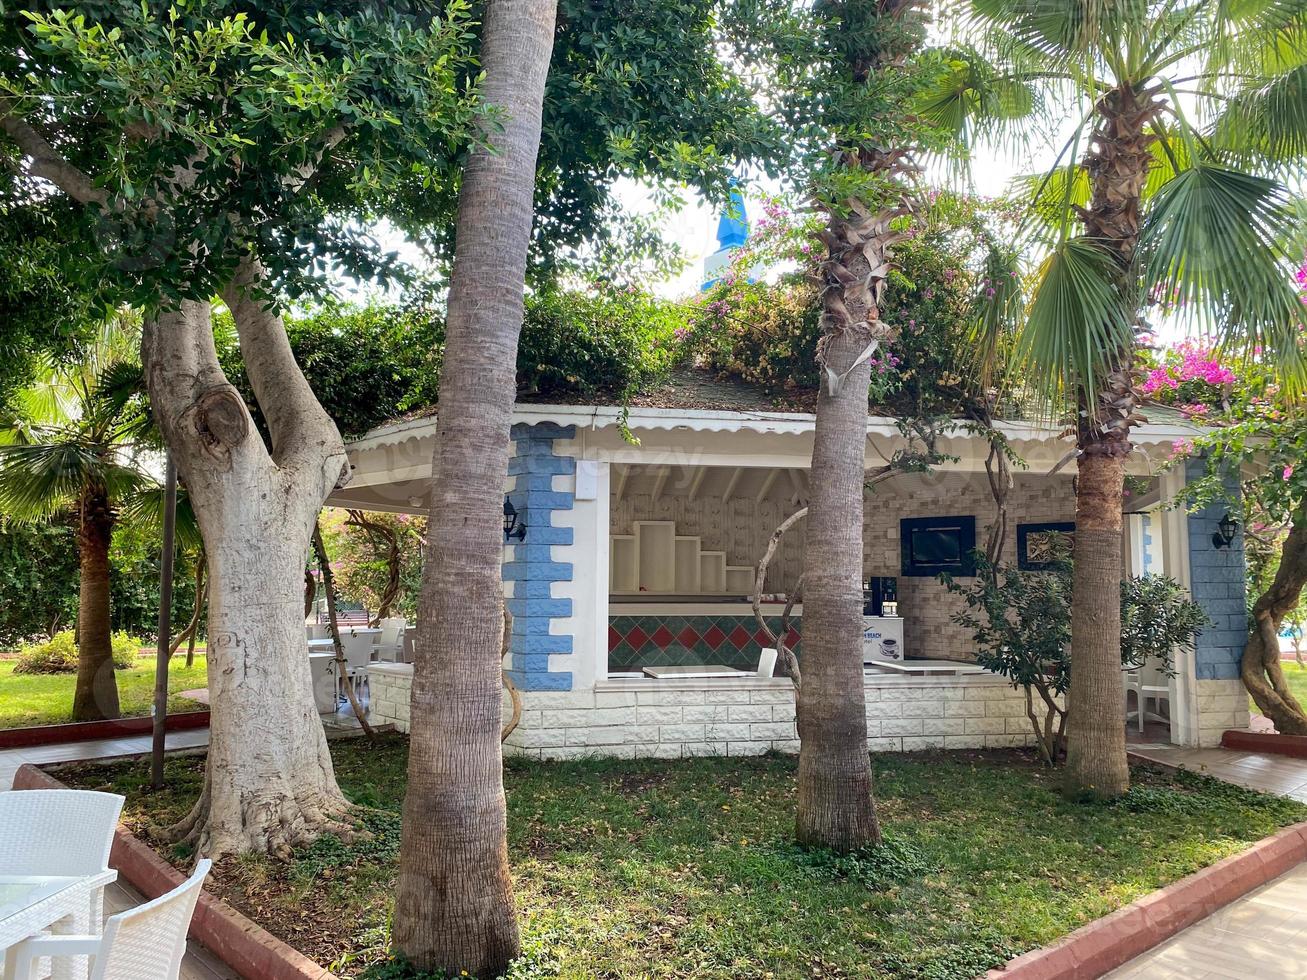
(144, 943)
(390, 642)
(767, 662)
(1148, 683)
(59, 832)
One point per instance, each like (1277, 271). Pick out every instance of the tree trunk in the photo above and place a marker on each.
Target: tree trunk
(96, 694)
(1118, 164)
(1096, 754)
(836, 807)
(1261, 669)
(454, 904)
(270, 785)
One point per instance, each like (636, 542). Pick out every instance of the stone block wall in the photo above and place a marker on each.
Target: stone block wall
(531, 567)
(1218, 579)
(750, 716)
(389, 688)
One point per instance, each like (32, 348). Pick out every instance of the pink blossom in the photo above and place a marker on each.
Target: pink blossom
(1288, 472)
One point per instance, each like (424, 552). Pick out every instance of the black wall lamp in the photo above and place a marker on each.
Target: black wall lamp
(513, 527)
(1224, 534)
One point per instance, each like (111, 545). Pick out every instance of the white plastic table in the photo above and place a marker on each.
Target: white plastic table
(691, 670)
(31, 903)
(923, 667)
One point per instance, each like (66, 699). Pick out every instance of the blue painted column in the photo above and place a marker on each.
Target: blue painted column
(1218, 578)
(532, 568)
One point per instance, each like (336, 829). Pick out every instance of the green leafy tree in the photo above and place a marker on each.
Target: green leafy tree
(1159, 194)
(70, 447)
(1021, 625)
(38, 580)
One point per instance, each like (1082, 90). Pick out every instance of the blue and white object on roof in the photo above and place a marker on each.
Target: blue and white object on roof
(732, 233)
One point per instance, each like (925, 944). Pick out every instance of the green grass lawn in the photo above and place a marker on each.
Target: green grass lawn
(627, 869)
(47, 699)
(1297, 677)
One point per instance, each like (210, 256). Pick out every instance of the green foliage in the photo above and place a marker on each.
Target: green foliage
(359, 559)
(38, 581)
(375, 98)
(58, 655)
(614, 343)
(365, 364)
(688, 865)
(369, 364)
(1157, 619)
(947, 279)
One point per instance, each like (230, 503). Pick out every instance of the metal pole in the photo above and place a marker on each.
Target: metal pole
(165, 624)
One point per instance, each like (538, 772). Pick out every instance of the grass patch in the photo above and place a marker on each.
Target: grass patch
(47, 699)
(1296, 675)
(686, 869)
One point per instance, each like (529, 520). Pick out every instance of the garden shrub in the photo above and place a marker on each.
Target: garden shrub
(58, 655)
(1021, 624)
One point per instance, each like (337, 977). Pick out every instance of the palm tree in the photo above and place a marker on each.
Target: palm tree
(1164, 190)
(454, 904)
(70, 447)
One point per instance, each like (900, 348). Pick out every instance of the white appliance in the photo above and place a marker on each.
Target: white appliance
(882, 638)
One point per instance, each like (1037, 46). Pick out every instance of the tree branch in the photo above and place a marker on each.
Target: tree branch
(45, 161)
(303, 434)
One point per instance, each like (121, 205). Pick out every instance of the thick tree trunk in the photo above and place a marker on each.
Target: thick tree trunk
(96, 694)
(1118, 164)
(1261, 670)
(270, 785)
(454, 905)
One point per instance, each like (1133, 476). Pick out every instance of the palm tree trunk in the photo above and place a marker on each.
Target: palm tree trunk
(96, 695)
(454, 904)
(1118, 165)
(1261, 670)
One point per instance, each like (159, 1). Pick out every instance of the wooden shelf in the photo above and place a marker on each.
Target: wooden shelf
(623, 575)
(687, 564)
(655, 551)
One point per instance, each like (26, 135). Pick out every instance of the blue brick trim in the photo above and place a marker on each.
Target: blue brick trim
(533, 569)
(1218, 578)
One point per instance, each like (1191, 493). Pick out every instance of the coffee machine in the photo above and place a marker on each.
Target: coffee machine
(882, 590)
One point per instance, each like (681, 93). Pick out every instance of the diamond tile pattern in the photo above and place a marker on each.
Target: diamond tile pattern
(664, 641)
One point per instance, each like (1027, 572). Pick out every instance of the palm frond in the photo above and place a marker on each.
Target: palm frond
(1215, 243)
(998, 310)
(144, 508)
(1267, 122)
(38, 481)
(1079, 317)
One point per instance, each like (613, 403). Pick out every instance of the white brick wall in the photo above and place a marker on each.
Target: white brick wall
(671, 719)
(1221, 705)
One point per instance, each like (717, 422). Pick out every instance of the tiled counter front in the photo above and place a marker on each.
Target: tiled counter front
(726, 716)
(691, 634)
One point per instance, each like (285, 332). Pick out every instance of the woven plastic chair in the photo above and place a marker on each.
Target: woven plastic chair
(144, 943)
(60, 832)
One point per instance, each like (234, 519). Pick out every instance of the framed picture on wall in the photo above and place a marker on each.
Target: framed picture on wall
(1041, 547)
(931, 545)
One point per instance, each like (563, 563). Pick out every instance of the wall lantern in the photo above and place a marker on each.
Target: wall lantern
(1224, 534)
(513, 528)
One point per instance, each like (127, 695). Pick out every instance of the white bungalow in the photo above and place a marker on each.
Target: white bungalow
(633, 634)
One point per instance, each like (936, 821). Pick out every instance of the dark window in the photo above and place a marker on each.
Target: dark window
(1041, 547)
(931, 545)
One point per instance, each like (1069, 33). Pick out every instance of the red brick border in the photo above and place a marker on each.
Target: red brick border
(1294, 746)
(247, 948)
(77, 731)
(1107, 943)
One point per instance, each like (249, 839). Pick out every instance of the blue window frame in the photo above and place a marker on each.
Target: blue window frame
(931, 545)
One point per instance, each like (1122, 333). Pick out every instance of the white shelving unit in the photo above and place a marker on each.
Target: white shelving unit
(655, 559)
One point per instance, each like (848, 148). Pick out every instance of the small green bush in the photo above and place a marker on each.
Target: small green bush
(58, 655)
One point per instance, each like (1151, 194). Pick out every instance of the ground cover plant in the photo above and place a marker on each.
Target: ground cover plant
(47, 699)
(650, 868)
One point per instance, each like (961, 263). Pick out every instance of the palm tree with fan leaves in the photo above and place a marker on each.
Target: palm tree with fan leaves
(71, 446)
(1170, 189)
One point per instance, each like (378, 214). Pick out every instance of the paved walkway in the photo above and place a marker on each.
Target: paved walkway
(199, 963)
(1256, 770)
(1263, 934)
